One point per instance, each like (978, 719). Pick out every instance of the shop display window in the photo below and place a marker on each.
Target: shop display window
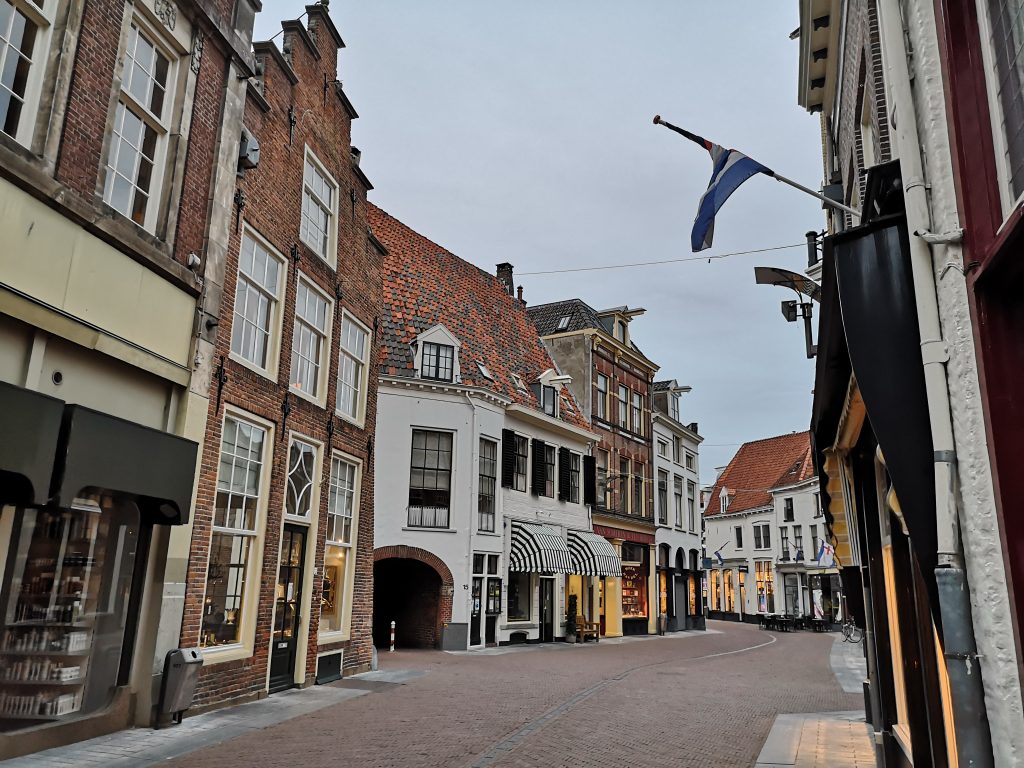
(519, 593)
(65, 600)
(634, 591)
(342, 501)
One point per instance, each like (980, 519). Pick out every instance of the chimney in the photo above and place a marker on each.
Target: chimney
(519, 295)
(505, 277)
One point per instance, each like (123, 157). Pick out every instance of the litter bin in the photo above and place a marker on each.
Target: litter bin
(662, 624)
(181, 673)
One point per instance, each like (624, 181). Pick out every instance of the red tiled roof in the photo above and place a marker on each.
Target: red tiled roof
(426, 285)
(760, 466)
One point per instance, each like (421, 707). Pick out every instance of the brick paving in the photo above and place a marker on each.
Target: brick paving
(691, 699)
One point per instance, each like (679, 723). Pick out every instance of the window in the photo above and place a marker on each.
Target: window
(677, 449)
(691, 504)
(256, 298)
(549, 470)
(638, 490)
(762, 536)
(438, 361)
(739, 537)
(814, 542)
(430, 480)
(798, 542)
(663, 448)
(519, 592)
(319, 201)
(691, 461)
(140, 129)
(488, 481)
(602, 397)
(484, 371)
(623, 407)
(637, 421)
(309, 338)
(339, 562)
(623, 485)
(603, 489)
(563, 323)
(1004, 61)
(301, 472)
(817, 506)
(787, 510)
(620, 331)
(547, 397)
(352, 368)
(24, 32)
(235, 530)
(574, 478)
(662, 497)
(765, 586)
(784, 542)
(730, 595)
(673, 405)
(677, 483)
(522, 461)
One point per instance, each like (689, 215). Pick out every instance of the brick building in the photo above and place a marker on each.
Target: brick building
(611, 379)
(119, 127)
(279, 580)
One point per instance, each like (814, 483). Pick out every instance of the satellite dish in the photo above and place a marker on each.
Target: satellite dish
(786, 279)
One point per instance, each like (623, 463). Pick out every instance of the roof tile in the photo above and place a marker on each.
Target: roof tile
(760, 466)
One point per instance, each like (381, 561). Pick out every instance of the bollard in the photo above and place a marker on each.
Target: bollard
(392, 649)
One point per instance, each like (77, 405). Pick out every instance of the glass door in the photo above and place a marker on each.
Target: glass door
(287, 620)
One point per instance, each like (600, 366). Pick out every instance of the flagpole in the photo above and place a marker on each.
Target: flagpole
(778, 177)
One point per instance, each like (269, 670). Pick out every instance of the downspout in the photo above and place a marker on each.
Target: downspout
(474, 447)
(970, 718)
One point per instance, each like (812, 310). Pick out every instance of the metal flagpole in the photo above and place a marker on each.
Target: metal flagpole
(698, 140)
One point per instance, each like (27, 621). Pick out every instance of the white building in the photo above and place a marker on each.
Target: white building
(484, 477)
(677, 510)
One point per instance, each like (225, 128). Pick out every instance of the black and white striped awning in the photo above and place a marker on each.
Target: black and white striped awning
(538, 548)
(593, 555)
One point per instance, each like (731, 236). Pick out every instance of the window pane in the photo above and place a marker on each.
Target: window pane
(299, 494)
(225, 588)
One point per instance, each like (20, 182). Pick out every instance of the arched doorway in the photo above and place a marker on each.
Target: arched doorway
(413, 588)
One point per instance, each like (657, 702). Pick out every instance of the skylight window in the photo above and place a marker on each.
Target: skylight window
(518, 381)
(563, 323)
(483, 371)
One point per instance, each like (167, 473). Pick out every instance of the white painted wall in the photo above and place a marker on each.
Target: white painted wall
(686, 538)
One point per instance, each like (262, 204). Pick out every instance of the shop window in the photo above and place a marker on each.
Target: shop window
(301, 472)
(716, 604)
(764, 578)
(634, 587)
(602, 397)
(677, 499)
(519, 594)
(65, 609)
(549, 471)
(319, 209)
(339, 565)
(309, 339)
(438, 361)
(257, 297)
(235, 531)
(352, 369)
(488, 482)
(141, 128)
(522, 460)
(662, 497)
(24, 45)
(730, 596)
(430, 480)
(623, 407)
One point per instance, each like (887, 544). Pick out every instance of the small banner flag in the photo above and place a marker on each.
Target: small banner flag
(731, 168)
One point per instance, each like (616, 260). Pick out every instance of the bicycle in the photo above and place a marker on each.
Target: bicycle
(851, 632)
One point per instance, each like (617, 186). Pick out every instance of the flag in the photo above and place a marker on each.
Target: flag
(826, 555)
(731, 168)
(721, 560)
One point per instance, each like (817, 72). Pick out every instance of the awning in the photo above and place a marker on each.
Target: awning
(593, 555)
(538, 548)
(29, 431)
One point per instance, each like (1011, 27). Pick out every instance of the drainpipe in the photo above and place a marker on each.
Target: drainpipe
(474, 448)
(970, 718)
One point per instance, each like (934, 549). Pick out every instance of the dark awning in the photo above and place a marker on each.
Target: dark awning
(98, 451)
(29, 430)
(538, 548)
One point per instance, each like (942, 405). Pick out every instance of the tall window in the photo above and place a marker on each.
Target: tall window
(338, 565)
(623, 485)
(309, 338)
(690, 460)
(549, 465)
(256, 297)
(547, 397)
(662, 497)
(739, 537)
(677, 449)
(519, 593)
(762, 536)
(787, 510)
(638, 490)
(430, 480)
(488, 481)
(784, 542)
(814, 543)
(637, 421)
(522, 461)
(574, 478)
(24, 29)
(603, 489)
(602, 397)
(798, 542)
(663, 448)
(691, 504)
(1005, 61)
(319, 201)
(673, 405)
(765, 586)
(438, 361)
(141, 126)
(623, 407)
(677, 499)
(235, 531)
(355, 350)
(301, 472)
(817, 506)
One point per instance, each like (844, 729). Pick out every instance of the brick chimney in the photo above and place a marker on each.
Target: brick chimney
(519, 295)
(504, 275)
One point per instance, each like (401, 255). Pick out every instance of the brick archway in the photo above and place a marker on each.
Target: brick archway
(446, 589)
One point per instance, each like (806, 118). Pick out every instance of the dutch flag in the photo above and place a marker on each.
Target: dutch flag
(731, 168)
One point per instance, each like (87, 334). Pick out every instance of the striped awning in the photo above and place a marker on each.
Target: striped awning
(593, 555)
(538, 548)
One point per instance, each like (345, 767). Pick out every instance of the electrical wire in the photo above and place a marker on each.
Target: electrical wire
(664, 261)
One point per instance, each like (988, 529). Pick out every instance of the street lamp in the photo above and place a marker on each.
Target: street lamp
(793, 309)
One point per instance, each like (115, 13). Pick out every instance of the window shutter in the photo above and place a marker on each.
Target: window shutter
(589, 480)
(508, 458)
(540, 469)
(564, 469)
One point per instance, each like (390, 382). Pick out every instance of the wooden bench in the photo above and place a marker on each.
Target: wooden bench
(587, 629)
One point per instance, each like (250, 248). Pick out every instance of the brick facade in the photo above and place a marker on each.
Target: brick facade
(295, 102)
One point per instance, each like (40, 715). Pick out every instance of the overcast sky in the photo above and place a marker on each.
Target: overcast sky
(522, 132)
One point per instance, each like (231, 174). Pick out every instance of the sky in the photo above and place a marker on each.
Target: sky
(523, 132)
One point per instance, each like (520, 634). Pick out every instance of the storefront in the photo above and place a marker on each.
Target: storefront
(826, 597)
(538, 562)
(636, 567)
(82, 494)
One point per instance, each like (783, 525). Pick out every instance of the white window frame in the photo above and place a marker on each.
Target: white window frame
(762, 536)
(362, 384)
(245, 647)
(276, 315)
(344, 596)
(602, 398)
(320, 396)
(331, 257)
(43, 18)
(677, 500)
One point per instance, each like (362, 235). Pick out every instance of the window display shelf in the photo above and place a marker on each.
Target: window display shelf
(46, 683)
(13, 652)
(45, 623)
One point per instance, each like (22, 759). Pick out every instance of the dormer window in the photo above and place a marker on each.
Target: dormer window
(673, 405)
(723, 499)
(620, 330)
(547, 398)
(438, 361)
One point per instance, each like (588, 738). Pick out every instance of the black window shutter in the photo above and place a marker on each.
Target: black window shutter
(589, 480)
(508, 458)
(564, 468)
(540, 469)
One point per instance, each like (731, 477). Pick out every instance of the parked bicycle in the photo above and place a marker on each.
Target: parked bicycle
(851, 632)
